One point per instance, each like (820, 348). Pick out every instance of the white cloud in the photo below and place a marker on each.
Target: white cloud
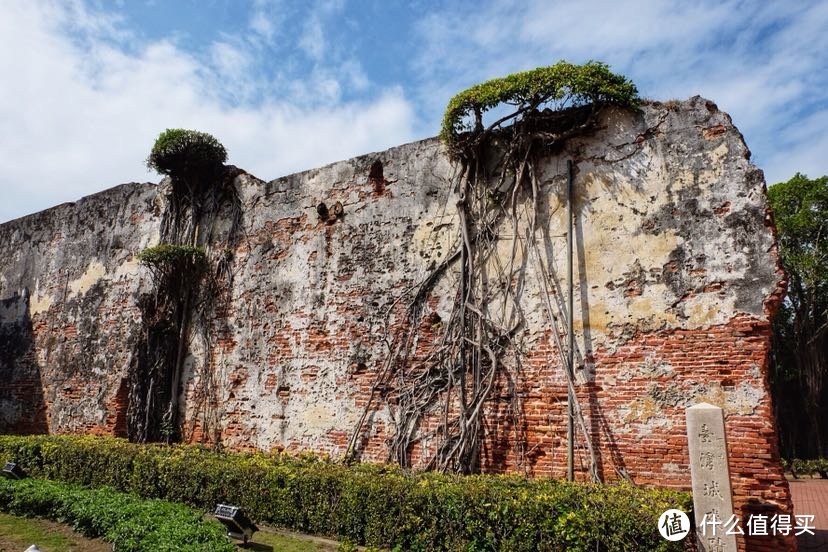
(83, 97)
(763, 62)
(313, 39)
(261, 24)
(352, 69)
(802, 149)
(267, 20)
(79, 111)
(230, 61)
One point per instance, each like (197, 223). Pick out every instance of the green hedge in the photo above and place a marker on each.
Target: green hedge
(367, 504)
(128, 522)
(799, 467)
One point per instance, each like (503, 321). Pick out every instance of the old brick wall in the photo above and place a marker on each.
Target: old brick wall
(676, 279)
(67, 346)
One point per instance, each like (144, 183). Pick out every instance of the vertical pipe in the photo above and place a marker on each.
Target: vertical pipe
(570, 418)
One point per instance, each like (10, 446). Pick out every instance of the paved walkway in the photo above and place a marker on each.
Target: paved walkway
(810, 497)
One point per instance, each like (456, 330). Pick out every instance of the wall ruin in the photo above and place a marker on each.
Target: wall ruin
(676, 281)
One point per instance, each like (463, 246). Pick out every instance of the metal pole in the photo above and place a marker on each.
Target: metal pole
(570, 403)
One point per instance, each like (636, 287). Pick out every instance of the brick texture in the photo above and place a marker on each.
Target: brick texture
(676, 281)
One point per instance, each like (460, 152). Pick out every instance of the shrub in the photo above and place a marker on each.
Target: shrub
(369, 504)
(167, 260)
(182, 153)
(126, 521)
(798, 467)
(166, 253)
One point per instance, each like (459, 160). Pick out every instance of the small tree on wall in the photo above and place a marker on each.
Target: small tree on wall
(190, 279)
(190, 157)
(531, 98)
(194, 161)
(177, 271)
(497, 175)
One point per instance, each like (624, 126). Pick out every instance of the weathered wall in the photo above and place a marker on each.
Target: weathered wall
(72, 275)
(676, 277)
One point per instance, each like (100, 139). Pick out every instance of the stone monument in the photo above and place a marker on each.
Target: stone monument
(716, 525)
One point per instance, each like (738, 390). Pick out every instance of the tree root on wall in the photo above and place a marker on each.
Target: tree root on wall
(439, 394)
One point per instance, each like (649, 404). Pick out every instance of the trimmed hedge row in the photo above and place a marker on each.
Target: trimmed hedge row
(368, 504)
(798, 467)
(128, 522)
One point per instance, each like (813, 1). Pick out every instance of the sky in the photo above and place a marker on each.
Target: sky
(87, 86)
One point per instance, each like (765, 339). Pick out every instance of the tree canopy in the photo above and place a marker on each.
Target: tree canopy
(562, 85)
(183, 153)
(800, 208)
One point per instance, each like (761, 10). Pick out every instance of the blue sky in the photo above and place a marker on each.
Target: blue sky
(87, 85)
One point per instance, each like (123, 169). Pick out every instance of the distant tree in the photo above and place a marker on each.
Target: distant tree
(800, 361)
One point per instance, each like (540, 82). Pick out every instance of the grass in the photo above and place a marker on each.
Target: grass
(285, 541)
(18, 533)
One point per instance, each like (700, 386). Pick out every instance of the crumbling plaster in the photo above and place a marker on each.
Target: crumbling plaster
(675, 268)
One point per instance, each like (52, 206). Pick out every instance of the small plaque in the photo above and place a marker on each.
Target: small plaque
(236, 521)
(13, 471)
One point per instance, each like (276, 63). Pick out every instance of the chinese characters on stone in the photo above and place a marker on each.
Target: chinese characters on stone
(710, 478)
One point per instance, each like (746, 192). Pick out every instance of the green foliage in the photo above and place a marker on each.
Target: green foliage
(182, 153)
(800, 209)
(799, 467)
(128, 522)
(800, 367)
(564, 83)
(19, 532)
(369, 504)
(166, 254)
